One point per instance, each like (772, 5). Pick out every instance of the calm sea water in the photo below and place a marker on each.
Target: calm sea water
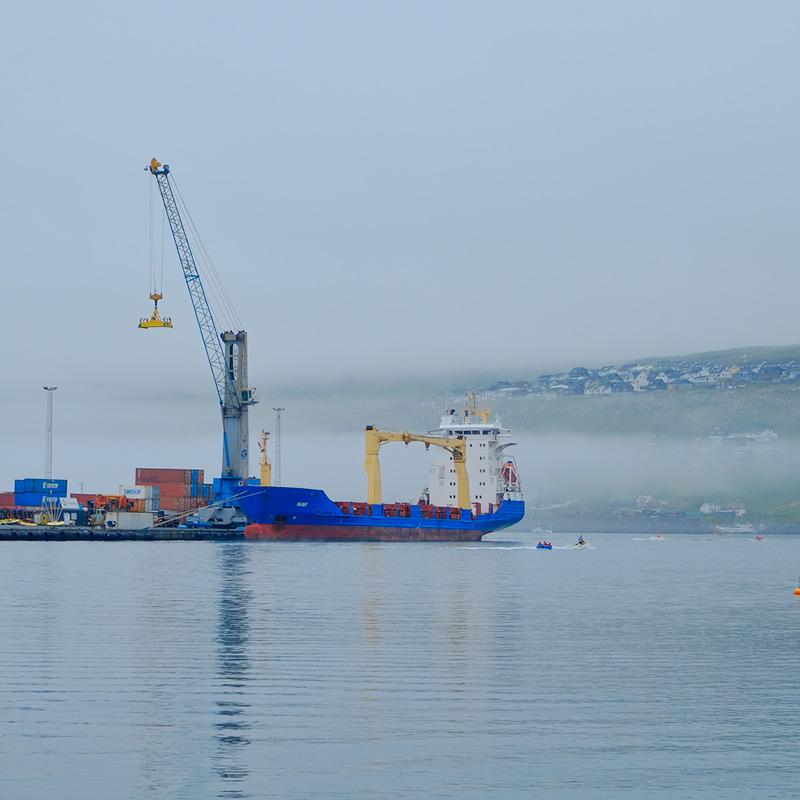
(632, 668)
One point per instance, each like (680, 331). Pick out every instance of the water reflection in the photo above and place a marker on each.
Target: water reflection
(232, 642)
(372, 628)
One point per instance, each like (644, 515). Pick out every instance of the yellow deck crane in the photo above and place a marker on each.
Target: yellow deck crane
(376, 438)
(266, 465)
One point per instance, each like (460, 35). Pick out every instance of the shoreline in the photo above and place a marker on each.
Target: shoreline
(603, 523)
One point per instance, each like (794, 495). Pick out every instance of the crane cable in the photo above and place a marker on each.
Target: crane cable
(151, 241)
(223, 302)
(155, 287)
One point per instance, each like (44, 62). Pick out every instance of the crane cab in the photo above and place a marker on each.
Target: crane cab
(156, 320)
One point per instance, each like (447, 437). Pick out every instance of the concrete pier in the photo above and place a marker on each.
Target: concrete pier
(49, 533)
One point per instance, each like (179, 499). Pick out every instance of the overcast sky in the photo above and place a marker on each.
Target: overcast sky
(387, 189)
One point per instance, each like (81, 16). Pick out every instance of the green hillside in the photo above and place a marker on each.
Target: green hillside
(734, 356)
(692, 413)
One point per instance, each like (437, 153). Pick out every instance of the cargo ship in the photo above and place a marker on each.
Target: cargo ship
(474, 489)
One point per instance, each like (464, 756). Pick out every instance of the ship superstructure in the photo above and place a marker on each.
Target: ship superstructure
(493, 475)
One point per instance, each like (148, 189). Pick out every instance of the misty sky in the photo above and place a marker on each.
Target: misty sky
(388, 190)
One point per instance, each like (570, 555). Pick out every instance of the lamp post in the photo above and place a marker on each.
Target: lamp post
(277, 472)
(48, 436)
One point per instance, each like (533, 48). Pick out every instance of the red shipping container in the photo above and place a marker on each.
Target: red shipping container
(170, 490)
(180, 505)
(7, 499)
(156, 475)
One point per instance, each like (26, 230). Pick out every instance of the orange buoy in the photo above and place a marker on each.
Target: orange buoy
(797, 591)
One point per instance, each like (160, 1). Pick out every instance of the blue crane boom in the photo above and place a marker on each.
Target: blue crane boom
(226, 352)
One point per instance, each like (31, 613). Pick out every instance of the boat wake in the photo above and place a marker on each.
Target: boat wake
(497, 546)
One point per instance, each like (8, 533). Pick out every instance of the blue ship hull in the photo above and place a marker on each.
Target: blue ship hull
(289, 513)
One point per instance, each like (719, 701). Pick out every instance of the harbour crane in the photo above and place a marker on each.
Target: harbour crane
(226, 351)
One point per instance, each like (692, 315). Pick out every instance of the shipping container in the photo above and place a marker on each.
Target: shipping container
(179, 505)
(128, 520)
(141, 492)
(7, 499)
(49, 486)
(174, 490)
(30, 499)
(166, 475)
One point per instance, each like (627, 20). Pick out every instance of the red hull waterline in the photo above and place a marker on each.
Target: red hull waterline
(349, 533)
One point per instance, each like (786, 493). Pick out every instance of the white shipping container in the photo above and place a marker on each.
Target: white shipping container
(138, 492)
(128, 520)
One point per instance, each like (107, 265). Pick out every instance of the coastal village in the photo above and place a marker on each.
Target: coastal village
(658, 377)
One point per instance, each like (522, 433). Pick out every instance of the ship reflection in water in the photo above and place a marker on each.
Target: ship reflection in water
(234, 670)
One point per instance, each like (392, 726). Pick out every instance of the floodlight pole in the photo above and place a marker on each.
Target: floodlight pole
(48, 436)
(276, 481)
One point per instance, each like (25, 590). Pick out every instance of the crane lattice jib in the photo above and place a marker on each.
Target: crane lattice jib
(228, 396)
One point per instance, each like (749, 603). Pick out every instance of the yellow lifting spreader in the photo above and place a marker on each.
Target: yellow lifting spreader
(156, 321)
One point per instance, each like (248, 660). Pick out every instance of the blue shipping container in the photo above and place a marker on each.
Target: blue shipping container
(58, 488)
(53, 486)
(28, 499)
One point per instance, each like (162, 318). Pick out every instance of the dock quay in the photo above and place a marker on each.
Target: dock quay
(46, 533)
